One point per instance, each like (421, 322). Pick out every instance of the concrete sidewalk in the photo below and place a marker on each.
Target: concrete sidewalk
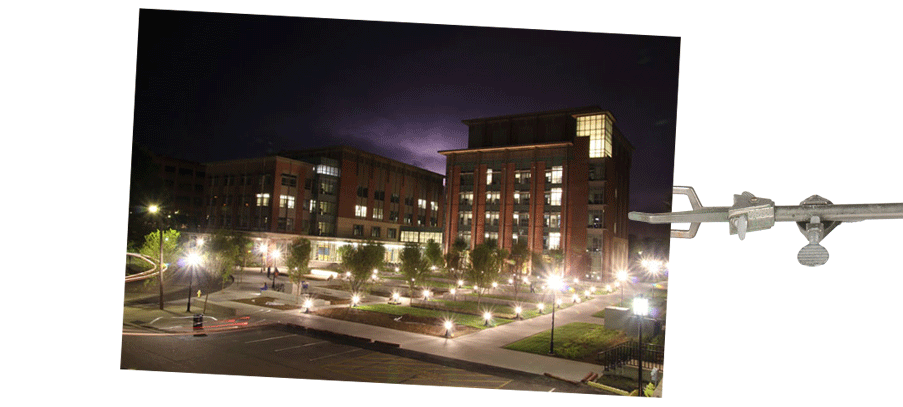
(482, 347)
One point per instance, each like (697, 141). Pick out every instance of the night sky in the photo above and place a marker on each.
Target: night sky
(213, 87)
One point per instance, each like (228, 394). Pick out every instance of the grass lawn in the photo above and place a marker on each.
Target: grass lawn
(462, 319)
(578, 341)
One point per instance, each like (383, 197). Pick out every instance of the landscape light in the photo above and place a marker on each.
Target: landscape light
(452, 291)
(487, 316)
(576, 298)
(307, 304)
(540, 307)
(448, 326)
(517, 311)
(460, 283)
(495, 285)
(355, 300)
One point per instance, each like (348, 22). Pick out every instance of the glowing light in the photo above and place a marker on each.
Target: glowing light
(586, 293)
(518, 310)
(153, 209)
(452, 291)
(396, 269)
(193, 259)
(541, 306)
(276, 254)
(308, 303)
(510, 281)
(487, 315)
(558, 302)
(554, 282)
(495, 285)
(607, 287)
(576, 298)
(640, 306)
(460, 283)
(396, 296)
(355, 299)
(448, 324)
(426, 293)
(622, 275)
(200, 242)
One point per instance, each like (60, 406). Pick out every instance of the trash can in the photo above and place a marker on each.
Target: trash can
(198, 321)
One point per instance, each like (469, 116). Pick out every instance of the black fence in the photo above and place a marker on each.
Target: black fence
(626, 353)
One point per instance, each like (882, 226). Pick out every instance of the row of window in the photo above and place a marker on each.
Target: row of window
(552, 198)
(550, 219)
(550, 241)
(493, 177)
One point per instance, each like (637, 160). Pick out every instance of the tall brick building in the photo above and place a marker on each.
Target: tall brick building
(554, 180)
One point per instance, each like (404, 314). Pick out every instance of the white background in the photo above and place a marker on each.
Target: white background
(782, 101)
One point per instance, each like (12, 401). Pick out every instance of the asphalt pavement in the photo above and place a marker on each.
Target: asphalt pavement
(483, 347)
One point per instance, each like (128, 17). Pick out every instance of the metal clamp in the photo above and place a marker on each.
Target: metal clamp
(815, 217)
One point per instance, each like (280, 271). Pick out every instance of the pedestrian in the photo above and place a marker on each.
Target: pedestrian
(532, 290)
(264, 288)
(304, 285)
(276, 273)
(268, 271)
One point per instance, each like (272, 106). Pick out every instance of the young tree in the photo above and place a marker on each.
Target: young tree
(518, 257)
(298, 262)
(433, 254)
(485, 263)
(360, 261)
(223, 254)
(171, 247)
(414, 266)
(454, 259)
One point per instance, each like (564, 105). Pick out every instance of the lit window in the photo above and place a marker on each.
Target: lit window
(555, 197)
(599, 130)
(263, 199)
(328, 170)
(360, 211)
(554, 241)
(421, 203)
(434, 206)
(287, 201)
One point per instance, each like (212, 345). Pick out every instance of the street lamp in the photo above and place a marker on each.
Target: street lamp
(448, 326)
(640, 309)
(193, 260)
(653, 267)
(487, 316)
(154, 209)
(622, 279)
(554, 282)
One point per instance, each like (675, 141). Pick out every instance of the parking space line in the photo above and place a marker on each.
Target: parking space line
(269, 339)
(334, 354)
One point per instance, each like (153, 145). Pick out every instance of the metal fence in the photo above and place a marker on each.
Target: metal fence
(626, 353)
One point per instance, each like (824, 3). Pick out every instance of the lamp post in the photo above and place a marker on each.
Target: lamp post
(654, 267)
(640, 309)
(275, 256)
(622, 278)
(554, 283)
(193, 261)
(154, 209)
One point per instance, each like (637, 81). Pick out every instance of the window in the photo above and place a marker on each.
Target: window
(421, 203)
(326, 208)
(378, 213)
(493, 177)
(394, 198)
(391, 233)
(409, 236)
(289, 180)
(492, 218)
(434, 221)
(393, 216)
(524, 219)
(327, 186)
(327, 170)
(287, 201)
(555, 198)
(596, 196)
(374, 231)
(554, 220)
(465, 218)
(599, 130)
(521, 198)
(491, 235)
(409, 219)
(595, 219)
(325, 228)
(466, 178)
(466, 198)
(434, 206)
(358, 230)
(421, 220)
(554, 241)
(492, 198)
(379, 195)
(360, 211)
(465, 235)
(553, 175)
(263, 199)
(522, 177)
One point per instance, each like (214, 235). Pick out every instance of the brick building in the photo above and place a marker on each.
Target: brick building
(554, 180)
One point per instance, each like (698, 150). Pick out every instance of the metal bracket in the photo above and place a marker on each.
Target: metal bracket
(815, 217)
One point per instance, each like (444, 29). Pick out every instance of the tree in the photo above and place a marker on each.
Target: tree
(360, 260)
(454, 259)
(433, 253)
(485, 263)
(223, 255)
(414, 266)
(298, 262)
(519, 255)
(171, 247)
